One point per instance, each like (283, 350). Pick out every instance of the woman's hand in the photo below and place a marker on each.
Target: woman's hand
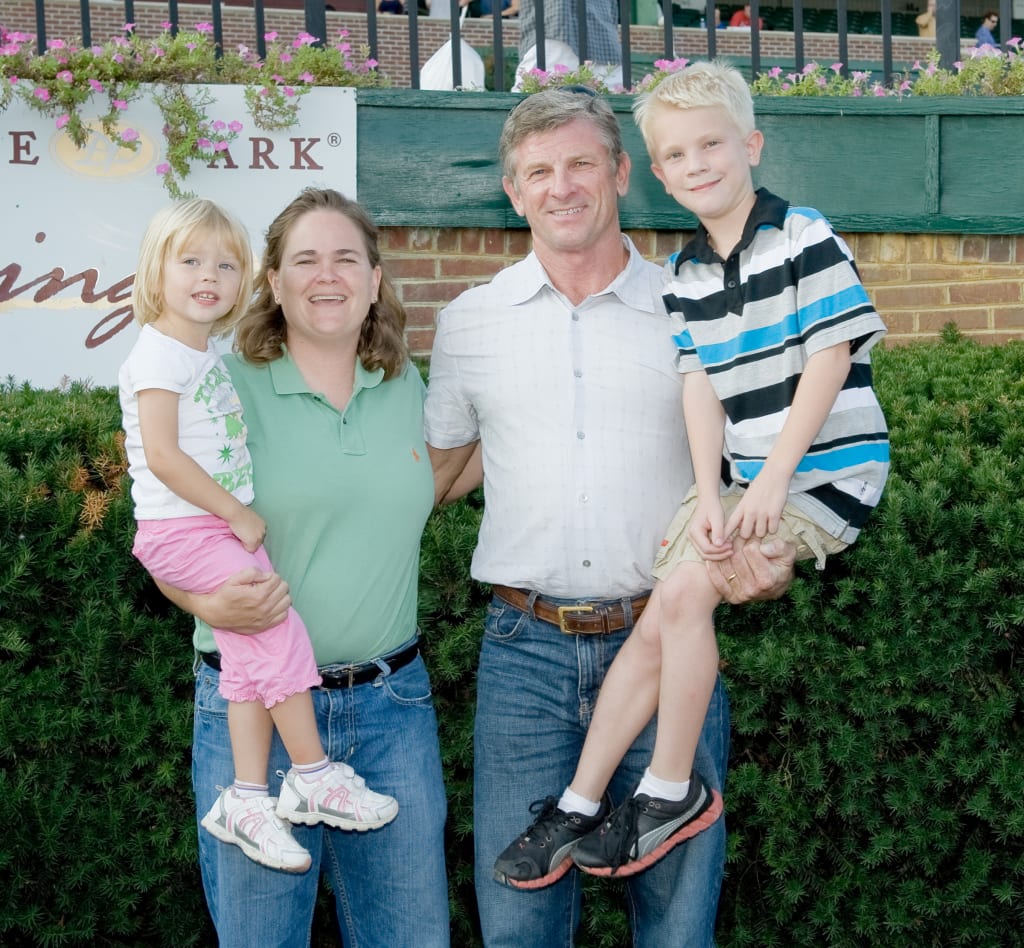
(250, 601)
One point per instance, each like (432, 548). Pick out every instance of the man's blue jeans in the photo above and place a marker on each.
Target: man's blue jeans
(536, 691)
(389, 885)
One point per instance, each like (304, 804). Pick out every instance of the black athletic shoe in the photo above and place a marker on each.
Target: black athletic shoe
(543, 854)
(643, 829)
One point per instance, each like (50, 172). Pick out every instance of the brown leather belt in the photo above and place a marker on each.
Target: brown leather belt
(582, 618)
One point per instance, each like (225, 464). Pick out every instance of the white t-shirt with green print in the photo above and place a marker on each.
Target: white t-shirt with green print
(210, 425)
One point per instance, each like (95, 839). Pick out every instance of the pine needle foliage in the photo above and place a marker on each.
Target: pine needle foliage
(874, 797)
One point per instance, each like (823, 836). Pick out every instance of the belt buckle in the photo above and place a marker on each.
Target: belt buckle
(562, 610)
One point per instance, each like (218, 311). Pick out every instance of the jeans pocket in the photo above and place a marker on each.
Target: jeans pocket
(503, 622)
(208, 697)
(409, 686)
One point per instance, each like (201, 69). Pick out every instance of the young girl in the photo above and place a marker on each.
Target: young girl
(192, 486)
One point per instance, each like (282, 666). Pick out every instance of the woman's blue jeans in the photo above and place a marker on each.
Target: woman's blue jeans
(389, 885)
(536, 691)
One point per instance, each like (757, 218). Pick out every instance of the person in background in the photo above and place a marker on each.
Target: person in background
(562, 39)
(442, 9)
(334, 410)
(742, 18)
(926, 21)
(508, 7)
(561, 371)
(985, 34)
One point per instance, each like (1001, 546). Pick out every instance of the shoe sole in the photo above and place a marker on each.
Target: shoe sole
(256, 855)
(336, 822)
(550, 879)
(691, 829)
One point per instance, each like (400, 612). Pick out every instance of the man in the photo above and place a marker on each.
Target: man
(561, 371)
(985, 34)
(742, 19)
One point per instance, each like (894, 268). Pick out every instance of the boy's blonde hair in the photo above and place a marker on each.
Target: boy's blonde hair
(701, 85)
(168, 232)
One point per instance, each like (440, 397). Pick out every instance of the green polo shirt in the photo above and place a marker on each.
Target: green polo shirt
(345, 496)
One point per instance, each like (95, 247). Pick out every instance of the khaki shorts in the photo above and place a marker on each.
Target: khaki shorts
(795, 527)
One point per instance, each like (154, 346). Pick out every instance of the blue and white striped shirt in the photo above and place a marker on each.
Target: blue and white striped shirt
(789, 289)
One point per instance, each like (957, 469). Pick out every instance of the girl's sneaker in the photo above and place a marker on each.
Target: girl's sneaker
(251, 824)
(340, 798)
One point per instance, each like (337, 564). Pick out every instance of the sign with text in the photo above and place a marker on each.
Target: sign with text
(72, 219)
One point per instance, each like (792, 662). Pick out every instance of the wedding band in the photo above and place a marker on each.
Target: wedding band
(730, 577)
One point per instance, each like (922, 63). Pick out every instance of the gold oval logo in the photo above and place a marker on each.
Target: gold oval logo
(101, 158)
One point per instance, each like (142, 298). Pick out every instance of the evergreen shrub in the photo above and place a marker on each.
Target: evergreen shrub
(874, 796)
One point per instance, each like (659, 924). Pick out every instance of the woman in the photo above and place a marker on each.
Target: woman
(341, 475)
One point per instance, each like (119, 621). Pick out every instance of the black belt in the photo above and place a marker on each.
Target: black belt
(347, 675)
(581, 618)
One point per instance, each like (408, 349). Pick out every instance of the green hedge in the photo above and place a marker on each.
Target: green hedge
(875, 794)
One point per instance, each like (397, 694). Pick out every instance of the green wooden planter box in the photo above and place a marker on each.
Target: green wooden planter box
(929, 164)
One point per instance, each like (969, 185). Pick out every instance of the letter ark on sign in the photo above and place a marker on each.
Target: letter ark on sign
(73, 218)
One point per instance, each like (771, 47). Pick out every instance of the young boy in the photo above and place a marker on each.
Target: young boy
(775, 331)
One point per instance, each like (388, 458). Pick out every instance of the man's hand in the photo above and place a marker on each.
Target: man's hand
(756, 570)
(250, 601)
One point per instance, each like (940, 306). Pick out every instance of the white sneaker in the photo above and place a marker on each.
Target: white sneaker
(340, 798)
(250, 824)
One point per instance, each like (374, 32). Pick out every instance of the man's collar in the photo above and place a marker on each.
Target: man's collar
(628, 285)
(768, 211)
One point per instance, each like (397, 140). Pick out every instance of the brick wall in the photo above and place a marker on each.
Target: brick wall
(918, 282)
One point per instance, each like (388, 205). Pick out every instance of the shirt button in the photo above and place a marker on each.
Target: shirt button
(578, 373)
(586, 562)
(584, 498)
(575, 317)
(580, 435)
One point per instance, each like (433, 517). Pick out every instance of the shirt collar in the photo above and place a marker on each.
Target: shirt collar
(632, 284)
(288, 380)
(768, 211)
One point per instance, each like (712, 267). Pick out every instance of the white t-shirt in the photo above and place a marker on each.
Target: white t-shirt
(210, 425)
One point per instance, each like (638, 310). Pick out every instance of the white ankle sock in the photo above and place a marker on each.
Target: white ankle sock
(311, 773)
(663, 789)
(246, 790)
(572, 802)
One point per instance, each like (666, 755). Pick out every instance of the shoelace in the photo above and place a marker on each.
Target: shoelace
(548, 816)
(625, 820)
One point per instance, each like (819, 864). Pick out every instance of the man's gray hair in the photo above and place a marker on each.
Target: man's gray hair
(551, 109)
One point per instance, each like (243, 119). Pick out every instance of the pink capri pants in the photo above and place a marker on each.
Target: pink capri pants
(198, 554)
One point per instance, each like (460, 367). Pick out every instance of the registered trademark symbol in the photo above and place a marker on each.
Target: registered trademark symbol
(334, 139)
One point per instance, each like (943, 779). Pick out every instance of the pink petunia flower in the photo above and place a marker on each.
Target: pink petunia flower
(129, 135)
(163, 168)
(43, 95)
(63, 120)
(204, 27)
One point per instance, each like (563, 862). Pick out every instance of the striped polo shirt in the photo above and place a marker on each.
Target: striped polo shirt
(789, 289)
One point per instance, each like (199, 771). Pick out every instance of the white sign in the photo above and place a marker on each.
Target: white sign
(71, 220)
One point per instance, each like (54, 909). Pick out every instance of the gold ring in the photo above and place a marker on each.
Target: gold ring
(730, 577)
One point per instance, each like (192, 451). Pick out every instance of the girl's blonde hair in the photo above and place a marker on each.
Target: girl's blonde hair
(700, 85)
(168, 233)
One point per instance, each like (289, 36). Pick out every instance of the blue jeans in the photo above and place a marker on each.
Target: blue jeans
(536, 691)
(389, 885)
